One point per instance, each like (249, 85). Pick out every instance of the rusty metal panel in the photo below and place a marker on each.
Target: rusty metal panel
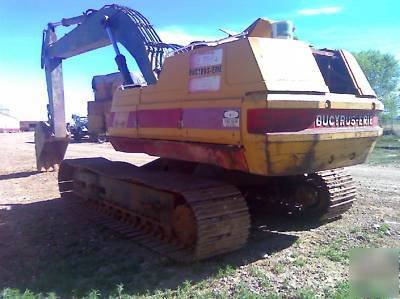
(226, 156)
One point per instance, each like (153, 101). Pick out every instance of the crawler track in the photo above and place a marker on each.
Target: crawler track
(339, 191)
(221, 219)
(221, 215)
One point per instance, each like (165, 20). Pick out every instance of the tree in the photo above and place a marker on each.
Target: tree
(383, 73)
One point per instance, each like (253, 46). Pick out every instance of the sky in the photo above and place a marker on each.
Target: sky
(354, 25)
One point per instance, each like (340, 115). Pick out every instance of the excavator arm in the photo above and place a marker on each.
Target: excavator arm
(110, 25)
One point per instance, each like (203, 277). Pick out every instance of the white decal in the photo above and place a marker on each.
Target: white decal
(204, 84)
(231, 114)
(213, 57)
(231, 119)
(343, 120)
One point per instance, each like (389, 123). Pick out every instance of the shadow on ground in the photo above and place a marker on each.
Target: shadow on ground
(84, 140)
(17, 175)
(50, 246)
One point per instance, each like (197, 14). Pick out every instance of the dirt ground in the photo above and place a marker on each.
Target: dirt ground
(46, 246)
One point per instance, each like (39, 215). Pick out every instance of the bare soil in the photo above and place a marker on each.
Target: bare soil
(47, 245)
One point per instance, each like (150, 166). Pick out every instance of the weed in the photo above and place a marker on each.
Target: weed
(242, 290)
(11, 294)
(342, 290)
(93, 294)
(285, 283)
(228, 270)
(16, 294)
(383, 230)
(278, 268)
(361, 233)
(297, 242)
(300, 262)
(261, 277)
(185, 290)
(356, 230)
(334, 252)
(306, 293)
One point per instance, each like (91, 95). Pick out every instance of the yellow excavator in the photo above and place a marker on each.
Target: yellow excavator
(254, 117)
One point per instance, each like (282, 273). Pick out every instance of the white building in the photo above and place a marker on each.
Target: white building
(8, 123)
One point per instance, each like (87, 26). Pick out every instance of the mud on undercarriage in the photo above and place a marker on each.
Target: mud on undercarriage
(188, 211)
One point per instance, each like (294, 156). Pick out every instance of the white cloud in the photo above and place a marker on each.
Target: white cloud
(176, 35)
(319, 11)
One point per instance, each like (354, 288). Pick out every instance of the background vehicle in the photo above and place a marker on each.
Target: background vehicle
(78, 127)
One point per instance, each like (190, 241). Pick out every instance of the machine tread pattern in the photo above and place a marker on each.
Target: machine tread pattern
(341, 192)
(221, 212)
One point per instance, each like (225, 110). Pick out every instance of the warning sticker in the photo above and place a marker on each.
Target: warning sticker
(231, 119)
(204, 71)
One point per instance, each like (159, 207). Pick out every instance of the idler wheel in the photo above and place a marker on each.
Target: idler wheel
(307, 196)
(184, 224)
(310, 200)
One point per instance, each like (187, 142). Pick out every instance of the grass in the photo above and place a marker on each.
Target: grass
(261, 276)
(17, 294)
(383, 230)
(300, 262)
(227, 270)
(334, 252)
(190, 290)
(342, 290)
(278, 268)
(386, 151)
(305, 293)
(242, 290)
(360, 232)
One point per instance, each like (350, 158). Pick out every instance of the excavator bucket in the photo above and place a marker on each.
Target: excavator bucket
(50, 150)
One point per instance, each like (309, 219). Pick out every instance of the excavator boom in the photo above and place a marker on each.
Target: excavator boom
(95, 29)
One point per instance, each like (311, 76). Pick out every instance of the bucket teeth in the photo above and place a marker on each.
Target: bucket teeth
(50, 150)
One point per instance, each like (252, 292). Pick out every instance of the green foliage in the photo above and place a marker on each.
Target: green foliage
(17, 294)
(260, 275)
(228, 270)
(334, 252)
(383, 73)
(342, 290)
(306, 293)
(278, 268)
(242, 291)
(386, 151)
(391, 103)
(300, 262)
(93, 294)
(383, 229)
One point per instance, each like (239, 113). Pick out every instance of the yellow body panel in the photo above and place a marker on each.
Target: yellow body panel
(293, 157)
(233, 78)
